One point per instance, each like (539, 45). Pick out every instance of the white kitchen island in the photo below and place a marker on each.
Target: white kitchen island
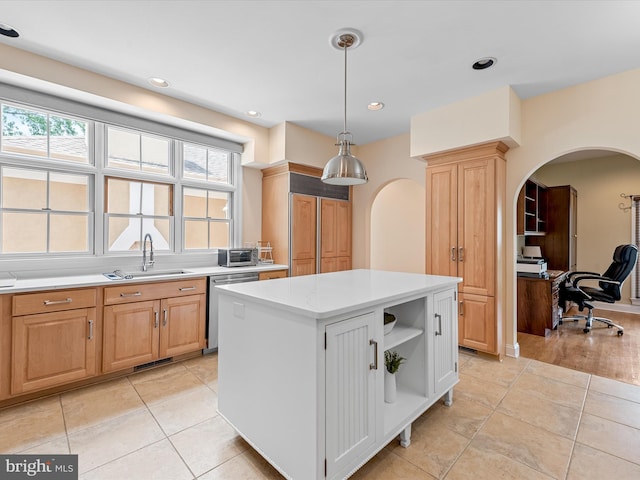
(301, 364)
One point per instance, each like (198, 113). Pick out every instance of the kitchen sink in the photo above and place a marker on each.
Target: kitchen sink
(156, 273)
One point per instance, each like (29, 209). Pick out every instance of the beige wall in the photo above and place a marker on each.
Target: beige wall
(397, 227)
(602, 225)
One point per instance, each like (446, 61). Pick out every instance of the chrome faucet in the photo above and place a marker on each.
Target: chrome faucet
(146, 264)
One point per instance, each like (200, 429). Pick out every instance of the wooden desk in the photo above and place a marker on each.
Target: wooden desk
(538, 303)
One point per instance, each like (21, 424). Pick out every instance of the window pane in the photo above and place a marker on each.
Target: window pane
(195, 234)
(156, 199)
(124, 234)
(155, 155)
(68, 192)
(219, 234)
(22, 188)
(195, 162)
(218, 205)
(69, 233)
(123, 196)
(68, 139)
(24, 232)
(123, 149)
(24, 131)
(218, 166)
(194, 203)
(160, 232)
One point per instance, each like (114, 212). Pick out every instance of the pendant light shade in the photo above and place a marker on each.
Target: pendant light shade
(344, 168)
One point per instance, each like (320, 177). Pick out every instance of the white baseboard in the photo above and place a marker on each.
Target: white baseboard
(512, 350)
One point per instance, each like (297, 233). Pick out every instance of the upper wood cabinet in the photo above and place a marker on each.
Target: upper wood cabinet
(532, 209)
(464, 238)
(307, 222)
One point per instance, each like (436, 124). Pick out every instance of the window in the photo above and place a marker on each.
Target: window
(61, 162)
(209, 164)
(40, 134)
(44, 211)
(133, 209)
(129, 150)
(206, 218)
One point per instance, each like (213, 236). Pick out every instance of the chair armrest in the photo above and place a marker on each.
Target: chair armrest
(600, 278)
(570, 275)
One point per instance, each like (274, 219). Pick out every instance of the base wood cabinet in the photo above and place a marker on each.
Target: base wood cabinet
(147, 322)
(538, 303)
(53, 339)
(323, 364)
(464, 238)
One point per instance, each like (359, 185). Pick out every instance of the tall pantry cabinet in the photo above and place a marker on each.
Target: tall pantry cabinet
(464, 236)
(307, 221)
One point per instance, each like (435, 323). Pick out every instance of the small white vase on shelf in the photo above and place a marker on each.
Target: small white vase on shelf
(389, 387)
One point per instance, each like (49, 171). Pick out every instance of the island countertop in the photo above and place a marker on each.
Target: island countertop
(329, 294)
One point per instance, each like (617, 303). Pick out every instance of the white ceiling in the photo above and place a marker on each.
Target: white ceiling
(275, 56)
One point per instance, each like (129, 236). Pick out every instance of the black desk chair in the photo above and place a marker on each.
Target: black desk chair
(624, 259)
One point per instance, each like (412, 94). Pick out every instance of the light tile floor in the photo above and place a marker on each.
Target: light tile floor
(516, 419)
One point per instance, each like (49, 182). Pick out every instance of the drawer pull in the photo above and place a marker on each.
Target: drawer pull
(453, 254)
(90, 330)
(164, 317)
(374, 365)
(155, 323)
(57, 302)
(439, 317)
(186, 289)
(136, 294)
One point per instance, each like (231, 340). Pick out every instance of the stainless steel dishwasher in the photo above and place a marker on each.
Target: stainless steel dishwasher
(221, 279)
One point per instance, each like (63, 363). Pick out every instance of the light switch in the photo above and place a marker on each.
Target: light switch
(238, 310)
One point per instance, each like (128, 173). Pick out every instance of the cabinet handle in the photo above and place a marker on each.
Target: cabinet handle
(136, 294)
(453, 254)
(186, 289)
(164, 317)
(461, 309)
(439, 317)
(90, 330)
(57, 302)
(155, 324)
(461, 254)
(374, 365)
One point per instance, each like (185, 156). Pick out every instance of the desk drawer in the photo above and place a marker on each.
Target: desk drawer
(54, 301)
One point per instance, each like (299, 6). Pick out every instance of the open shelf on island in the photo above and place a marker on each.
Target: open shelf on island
(400, 334)
(406, 404)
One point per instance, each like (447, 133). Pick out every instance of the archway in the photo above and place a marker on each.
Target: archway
(398, 227)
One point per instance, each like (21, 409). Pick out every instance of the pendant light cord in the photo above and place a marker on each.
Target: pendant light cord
(345, 88)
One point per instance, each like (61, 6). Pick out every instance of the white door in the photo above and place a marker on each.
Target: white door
(351, 370)
(445, 340)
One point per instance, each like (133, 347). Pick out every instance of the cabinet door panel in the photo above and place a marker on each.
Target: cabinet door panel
(446, 340)
(328, 228)
(442, 227)
(131, 335)
(328, 265)
(182, 325)
(303, 232)
(477, 322)
(350, 391)
(344, 263)
(303, 267)
(52, 348)
(343, 228)
(476, 226)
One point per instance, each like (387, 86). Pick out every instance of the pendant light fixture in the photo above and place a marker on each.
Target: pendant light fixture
(344, 168)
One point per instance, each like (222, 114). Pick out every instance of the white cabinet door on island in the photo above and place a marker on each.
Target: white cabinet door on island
(301, 364)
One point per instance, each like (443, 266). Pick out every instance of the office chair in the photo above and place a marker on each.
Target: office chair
(610, 285)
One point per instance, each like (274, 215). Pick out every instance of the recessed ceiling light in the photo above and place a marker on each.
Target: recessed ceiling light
(375, 106)
(483, 63)
(253, 114)
(8, 31)
(158, 82)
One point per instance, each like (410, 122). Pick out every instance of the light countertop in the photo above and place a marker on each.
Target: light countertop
(329, 294)
(91, 280)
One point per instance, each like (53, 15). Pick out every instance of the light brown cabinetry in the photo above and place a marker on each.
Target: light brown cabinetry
(270, 275)
(465, 196)
(146, 322)
(53, 339)
(532, 209)
(307, 222)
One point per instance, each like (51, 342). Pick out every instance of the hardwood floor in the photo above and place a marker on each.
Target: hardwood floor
(601, 352)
